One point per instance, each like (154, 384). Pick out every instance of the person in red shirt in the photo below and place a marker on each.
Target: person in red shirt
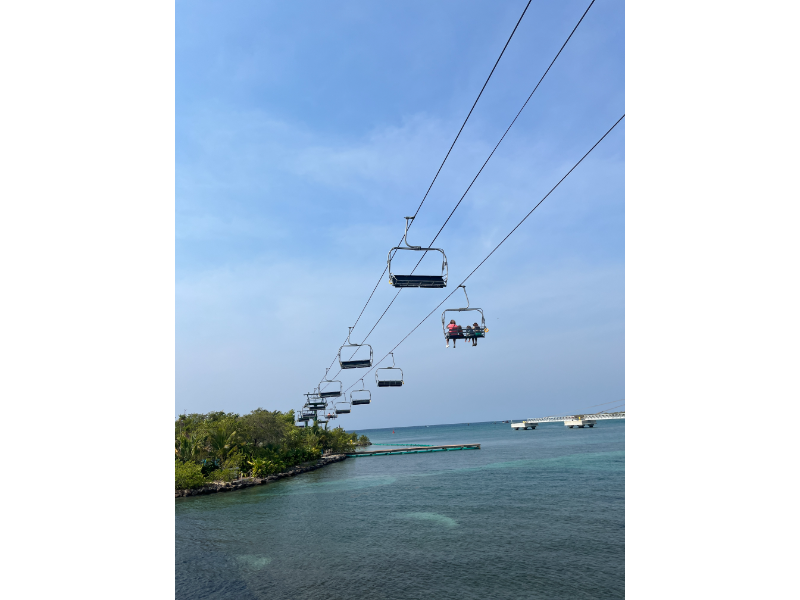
(455, 331)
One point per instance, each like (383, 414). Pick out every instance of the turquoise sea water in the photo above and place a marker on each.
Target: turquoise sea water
(533, 514)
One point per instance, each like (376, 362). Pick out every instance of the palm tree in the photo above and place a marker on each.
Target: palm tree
(189, 447)
(221, 439)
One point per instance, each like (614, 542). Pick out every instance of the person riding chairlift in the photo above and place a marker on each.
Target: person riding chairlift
(455, 331)
(476, 333)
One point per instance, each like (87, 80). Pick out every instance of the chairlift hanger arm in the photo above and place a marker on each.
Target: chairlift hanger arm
(405, 235)
(465, 293)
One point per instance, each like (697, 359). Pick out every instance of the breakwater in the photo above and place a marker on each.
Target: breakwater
(240, 484)
(399, 444)
(415, 449)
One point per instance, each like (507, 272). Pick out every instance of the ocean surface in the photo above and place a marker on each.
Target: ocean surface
(532, 514)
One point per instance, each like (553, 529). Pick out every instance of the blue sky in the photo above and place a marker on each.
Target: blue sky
(305, 132)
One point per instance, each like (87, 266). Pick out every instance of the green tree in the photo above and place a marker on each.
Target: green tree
(263, 428)
(188, 475)
(190, 446)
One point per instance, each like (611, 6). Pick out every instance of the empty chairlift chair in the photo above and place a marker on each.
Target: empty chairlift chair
(462, 333)
(389, 376)
(418, 281)
(332, 393)
(314, 402)
(354, 356)
(342, 408)
(361, 396)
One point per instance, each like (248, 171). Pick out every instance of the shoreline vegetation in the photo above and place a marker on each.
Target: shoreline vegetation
(222, 451)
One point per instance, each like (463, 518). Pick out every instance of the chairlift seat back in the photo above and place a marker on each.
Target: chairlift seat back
(417, 281)
(355, 364)
(390, 383)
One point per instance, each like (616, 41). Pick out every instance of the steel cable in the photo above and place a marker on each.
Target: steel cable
(473, 179)
(474, 104)
(493, 250)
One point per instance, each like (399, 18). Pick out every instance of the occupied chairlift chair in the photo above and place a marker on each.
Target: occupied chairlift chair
(330, 393)
(362, 399)
(358, 363)
(463, 334)
(390, 378)
(420, 281)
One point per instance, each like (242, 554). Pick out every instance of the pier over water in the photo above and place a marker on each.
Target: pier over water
(416, 449)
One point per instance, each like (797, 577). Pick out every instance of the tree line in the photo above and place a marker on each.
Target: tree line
(221, 446)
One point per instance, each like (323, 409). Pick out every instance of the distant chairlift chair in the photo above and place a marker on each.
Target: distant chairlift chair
(418, 281)
(314, 402)
(360, 362)
(390, 377)
(330, 393)
(364, 396)
(461, 333)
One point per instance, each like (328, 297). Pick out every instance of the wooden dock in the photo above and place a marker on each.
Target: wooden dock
(416, 450)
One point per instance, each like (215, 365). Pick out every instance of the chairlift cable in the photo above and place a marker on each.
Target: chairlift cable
(607, 403)
(497, 246)
(482, 166)
(511, 125)
(474, 104)
(536, 87)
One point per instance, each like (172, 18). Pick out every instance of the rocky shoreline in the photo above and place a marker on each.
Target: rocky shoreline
(247, 482)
